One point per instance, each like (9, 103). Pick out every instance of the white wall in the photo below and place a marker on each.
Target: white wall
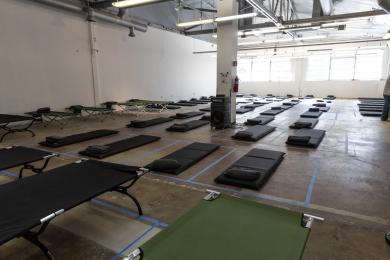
(45, 60)
(300, 87)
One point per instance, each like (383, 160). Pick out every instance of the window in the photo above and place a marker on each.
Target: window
(244, 69)
(281, 69)
(342, 66)
(260, 69)
(369, 65)
(318, 67)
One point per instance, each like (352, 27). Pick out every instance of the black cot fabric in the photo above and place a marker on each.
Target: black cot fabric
(5, 119)
(304, 123)
(120, 146)
(187, 115)
(254, 133)
(259, 120)
(26, 201)
(53, 141)
(252, 170)
(186, 157)
(20, 155)
(184, 127)
(243, 110)
(149, 122)
(306, 137)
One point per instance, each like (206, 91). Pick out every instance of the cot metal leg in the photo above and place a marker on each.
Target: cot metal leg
(33, 168)
(123, 190)
(33, 237)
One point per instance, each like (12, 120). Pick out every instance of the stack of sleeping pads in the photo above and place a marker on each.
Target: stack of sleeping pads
(249, 107)
(187, 126)
(371, 106)
(275, 110)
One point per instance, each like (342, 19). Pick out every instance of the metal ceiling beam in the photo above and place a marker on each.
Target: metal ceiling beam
(264, 11)
(200, 9)
(327, 6)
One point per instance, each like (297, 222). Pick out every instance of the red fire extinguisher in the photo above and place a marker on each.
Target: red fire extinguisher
(235, 84)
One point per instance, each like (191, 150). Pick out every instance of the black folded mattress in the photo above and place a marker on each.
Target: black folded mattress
(183, 104)
(187, 115)
(304, 123)
(149, 122)
(319, 104)
(310, 114)
(206, 109)
(183, 158)
(252, 170)
(306, 137)
(254, 133)
(27, 201)
(252, 105)
(259, 120)
(243, 110)
(371, 104)
(371, 113)
(273, 111)
(19, 155)
(185, 127)
(77, 138)
(374, 109)
(121, 146)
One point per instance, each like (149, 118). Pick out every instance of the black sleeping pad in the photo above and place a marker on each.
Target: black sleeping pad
(186, 157)
(5, 119)
(184, 127)
(252, 170)
(252, 105)
(371, 113)
(243, 110)
(306, 137)
(29, 200)
(320, 104)
(310, 114)
(19, 155)
(371, 104)
(121, 146)
(187, 115)
(254, 133)
(273, 111)
(304, 123)
(183, 104)
(206, 109)
(149, 122)
(77, 138)
(259, 120)
(373, 109)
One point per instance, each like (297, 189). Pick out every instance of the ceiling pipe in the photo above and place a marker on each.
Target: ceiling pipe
(103, 16)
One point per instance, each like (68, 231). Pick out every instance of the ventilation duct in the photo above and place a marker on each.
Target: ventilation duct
(385, 4)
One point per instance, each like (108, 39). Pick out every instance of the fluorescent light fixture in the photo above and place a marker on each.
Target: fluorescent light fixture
(194, 23)
(387, 36)
(130, 3)
(235, 17)
(333, 24)
(316, 37)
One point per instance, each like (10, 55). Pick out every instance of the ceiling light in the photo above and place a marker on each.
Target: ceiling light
(235, 17)
(132, 3)
(194, 23)
(387, 36)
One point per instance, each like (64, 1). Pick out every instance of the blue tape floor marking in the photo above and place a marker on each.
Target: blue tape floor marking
(210, 165)
(310, 188)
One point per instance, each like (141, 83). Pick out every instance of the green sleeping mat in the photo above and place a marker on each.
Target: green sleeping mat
(229, 228)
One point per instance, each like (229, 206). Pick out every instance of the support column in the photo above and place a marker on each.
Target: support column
(94, 64)
(227, 52)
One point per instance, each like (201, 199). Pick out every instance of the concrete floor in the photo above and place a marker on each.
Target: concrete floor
(346, 180)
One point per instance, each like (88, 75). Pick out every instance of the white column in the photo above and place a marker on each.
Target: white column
(95, 64)
(227, 52)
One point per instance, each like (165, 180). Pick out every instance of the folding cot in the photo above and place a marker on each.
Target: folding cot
(90, 111)
(371, 113)
(259, 120)
(45, 114)
(273, 111)
(103, 151)
(33, 202)
(304, 123)
(196, 101)
(254, 133)
(312, 113)
(243, 110)
(206, 109)
(187, 126)
(374, 109)
(58, 141)
(262, 102)
(371, 104)
(252, 106)
(187, 115)
(306, 137)
(182, 159)
(224, 227)
(319, 104)
(252, 170)
(290, 103)
(15, 156)
(184, 104)
(9, 123)
(205, 99)
(149, 122)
